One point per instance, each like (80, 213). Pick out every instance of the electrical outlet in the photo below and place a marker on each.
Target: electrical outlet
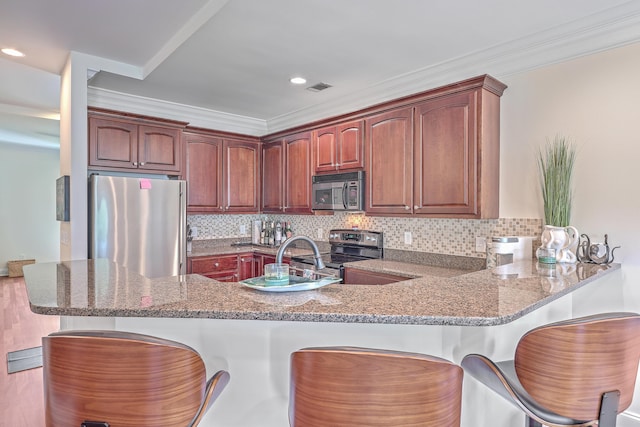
(194, 231)
(407, 238)
(243, 229)
(320, 233)
(481, 244)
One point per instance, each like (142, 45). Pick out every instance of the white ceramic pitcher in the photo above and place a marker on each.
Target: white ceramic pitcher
(563, 239)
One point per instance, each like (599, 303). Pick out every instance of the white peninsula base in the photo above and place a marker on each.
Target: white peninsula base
(256, 353)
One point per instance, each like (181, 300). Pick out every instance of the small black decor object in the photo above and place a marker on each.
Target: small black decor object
(595, 253)
(62, 198)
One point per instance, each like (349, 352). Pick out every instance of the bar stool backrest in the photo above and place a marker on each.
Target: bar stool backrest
(347, 386)
(567, 366)
(127, 380)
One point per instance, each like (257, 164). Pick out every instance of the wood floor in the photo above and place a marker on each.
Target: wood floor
(21, 402)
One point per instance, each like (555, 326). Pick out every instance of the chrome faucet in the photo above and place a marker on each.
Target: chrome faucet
(316, 251)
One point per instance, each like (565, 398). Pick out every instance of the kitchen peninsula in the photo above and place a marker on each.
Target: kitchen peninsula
(251, 334)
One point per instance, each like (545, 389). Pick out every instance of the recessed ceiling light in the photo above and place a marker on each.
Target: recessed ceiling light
(12, 52)
(298, 80)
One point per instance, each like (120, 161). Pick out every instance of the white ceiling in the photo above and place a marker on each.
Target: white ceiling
(235, 57)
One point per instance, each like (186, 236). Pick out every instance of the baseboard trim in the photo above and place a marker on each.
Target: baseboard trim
(4, 271)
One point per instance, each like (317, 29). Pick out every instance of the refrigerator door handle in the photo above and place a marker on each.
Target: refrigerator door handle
(183, 231)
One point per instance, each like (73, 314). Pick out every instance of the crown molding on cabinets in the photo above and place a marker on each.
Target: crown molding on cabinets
(195, 116)
(605, 30)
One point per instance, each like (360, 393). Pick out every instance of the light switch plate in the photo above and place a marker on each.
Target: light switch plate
(243, 229)
(481, 244)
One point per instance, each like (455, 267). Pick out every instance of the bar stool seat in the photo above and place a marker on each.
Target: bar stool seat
(350, 386)
(578, 372)
(125, 380)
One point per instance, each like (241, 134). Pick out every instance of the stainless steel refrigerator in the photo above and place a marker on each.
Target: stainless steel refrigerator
(139, 223)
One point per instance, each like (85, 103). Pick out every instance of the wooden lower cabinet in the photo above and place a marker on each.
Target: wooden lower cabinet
(223, 268)
(247, 266)
(355, 276)
(231, 268)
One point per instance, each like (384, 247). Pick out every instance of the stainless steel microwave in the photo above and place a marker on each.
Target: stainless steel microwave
(338, 192)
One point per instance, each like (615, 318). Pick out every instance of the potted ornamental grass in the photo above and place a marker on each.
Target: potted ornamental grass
(556, 163)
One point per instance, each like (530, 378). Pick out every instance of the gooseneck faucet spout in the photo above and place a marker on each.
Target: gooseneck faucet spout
(316, 251)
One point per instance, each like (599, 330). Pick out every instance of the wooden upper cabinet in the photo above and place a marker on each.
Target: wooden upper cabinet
(286, 177)
(297, 177)
(203, 173)
(438, 156)
(324, 150)
(338, 148)
(127, 142)
(241, 176)
(273, 177)
(222, 174)
(389, 166)
(350, 145)
(159, 148)
(446, 155)
(113, 143)
(457, 155)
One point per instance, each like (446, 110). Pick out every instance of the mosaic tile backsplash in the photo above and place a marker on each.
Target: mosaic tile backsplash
(442, 236)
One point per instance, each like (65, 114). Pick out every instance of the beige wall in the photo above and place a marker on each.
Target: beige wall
(28, 226)
(592, 100)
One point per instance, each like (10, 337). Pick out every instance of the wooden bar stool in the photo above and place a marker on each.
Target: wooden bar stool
(125, 380)
(348, 386)
(578, 372)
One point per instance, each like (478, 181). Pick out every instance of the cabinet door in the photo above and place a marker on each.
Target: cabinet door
(159, 148)
(297, 181)
(241, 176)
(113, 143)
(349, 145)
(324, 150)
(389, 145)
(272, 177)
(246, 266)
(445, 156)
(204, 173)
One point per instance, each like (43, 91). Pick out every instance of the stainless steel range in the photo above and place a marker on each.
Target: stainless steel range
(347, 245)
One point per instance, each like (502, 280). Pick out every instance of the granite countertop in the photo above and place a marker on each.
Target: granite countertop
(435, 296)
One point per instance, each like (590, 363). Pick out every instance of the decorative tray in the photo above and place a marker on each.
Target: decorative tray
(296, 283)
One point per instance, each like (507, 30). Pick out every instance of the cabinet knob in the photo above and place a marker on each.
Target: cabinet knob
(406, 208)
(142, 163)
(217, 264)
(135, 163)
(416, 207)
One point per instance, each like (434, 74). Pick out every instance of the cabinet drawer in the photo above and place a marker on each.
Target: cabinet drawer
(225, 276)
(214, 264)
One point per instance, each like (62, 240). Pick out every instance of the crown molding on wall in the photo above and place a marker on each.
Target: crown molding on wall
(195, 116)
(610, 29)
